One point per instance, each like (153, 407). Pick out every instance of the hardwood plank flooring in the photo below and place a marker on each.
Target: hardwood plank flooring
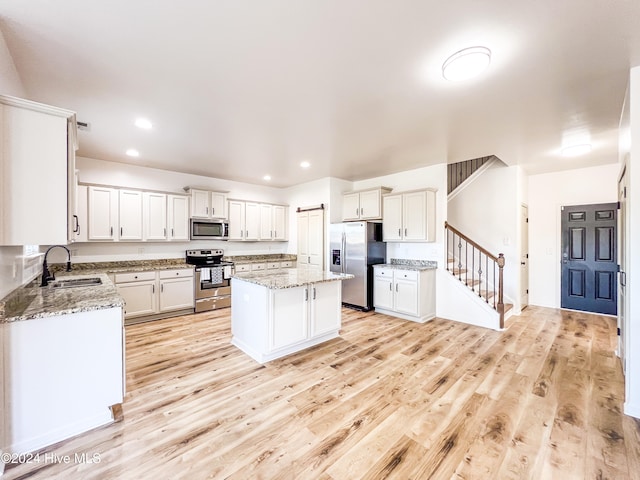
(388, 399)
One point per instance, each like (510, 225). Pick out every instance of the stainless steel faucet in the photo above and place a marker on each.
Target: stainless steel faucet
(46, 274)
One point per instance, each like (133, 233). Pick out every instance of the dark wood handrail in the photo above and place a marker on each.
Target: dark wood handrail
(467, 239)
(499, 261)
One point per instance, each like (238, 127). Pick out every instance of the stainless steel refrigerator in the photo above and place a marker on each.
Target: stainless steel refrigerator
(354, 248)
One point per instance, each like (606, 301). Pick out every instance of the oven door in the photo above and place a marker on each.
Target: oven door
(210, 282)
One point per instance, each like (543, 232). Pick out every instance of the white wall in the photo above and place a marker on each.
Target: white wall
(632, 333)
(547, 194)
(488, 211)
(10, 84)
(434, 176)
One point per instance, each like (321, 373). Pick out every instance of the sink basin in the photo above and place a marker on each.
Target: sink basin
(77, 282)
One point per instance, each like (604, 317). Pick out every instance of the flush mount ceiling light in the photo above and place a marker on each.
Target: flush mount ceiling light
(143, 123)
(132, 152)
(267, 177)
(576, 150)
(466, 63)
(305, 164)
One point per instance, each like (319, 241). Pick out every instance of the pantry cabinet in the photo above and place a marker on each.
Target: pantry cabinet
(409, 216)
(363, 205)
(37, 169)
(404, 293)
(311, 238)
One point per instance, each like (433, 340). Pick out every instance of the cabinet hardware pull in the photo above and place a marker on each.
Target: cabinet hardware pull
(165, 232)
(172, 234)
(111, 232)
(153, 289)
(390, 288)
(207, 210)
(314, 293)
(309, 260)
(77, 229)
(405, 232)
(396, 287)
(356, 212)
(306, 294)
(161, 287)
(361, 211)
(120, 231)
(213, 211)
(399, 232)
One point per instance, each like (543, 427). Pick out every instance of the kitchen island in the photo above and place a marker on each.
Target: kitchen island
(276, 314)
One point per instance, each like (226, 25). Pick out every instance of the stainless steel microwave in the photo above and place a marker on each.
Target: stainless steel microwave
(209, 229)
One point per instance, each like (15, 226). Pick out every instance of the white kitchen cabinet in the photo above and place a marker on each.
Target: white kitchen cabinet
(176, 289)
(325, 314)
(409, 216)
(207, 204)
(81, 214)
(405, 293)
(139, 293)
(244, 220)
(273, 222)
(363, 205)
(130, 215)
(154, 216)
(311, 238)
(37, 155)
(290, 317)
(154, 292)
(178, 217)
(103, 213)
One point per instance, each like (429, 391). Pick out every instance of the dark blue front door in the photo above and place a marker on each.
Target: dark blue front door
(589, 259)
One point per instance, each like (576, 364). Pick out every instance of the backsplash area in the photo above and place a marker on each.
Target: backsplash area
(18, 265)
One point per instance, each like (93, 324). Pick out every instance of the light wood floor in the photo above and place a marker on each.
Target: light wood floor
(389, 399)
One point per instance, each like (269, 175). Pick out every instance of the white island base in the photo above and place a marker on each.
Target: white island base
(269, 322)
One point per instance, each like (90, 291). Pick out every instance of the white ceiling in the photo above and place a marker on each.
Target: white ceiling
(242, 88)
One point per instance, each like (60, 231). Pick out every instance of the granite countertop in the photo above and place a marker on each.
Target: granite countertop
(291, 277)
(272, 257)
(121, 267)
(33, 301)
(416, 265)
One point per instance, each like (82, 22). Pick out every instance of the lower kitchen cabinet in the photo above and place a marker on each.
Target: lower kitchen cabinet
(408, 294)
(154, 293)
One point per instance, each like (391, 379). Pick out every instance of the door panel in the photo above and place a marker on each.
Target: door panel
(589, 262)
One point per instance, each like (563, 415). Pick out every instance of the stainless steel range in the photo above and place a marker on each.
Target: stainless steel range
(212, 282)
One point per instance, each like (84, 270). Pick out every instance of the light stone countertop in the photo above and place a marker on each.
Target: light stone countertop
(291, 277)
(414, 265)
(269, 257)
(33, 301)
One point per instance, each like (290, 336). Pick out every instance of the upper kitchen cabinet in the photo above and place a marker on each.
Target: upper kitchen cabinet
(273, 222)
(206, 204)
(363, 205)
(154, 216)
(178, 217)
(103, 213)
(37, 165)
(409, 216)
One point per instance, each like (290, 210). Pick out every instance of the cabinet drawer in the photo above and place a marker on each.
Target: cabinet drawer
(406, 275)
(245, 267)
(258, 266)
(135, 276)
(383, 272)
(286, 264)
(273, 265)
(178, 273)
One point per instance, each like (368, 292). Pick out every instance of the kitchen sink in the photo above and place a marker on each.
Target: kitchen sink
(77, 282)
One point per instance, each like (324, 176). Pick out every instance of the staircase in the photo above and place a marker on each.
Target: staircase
(478, 270)
(458, 173)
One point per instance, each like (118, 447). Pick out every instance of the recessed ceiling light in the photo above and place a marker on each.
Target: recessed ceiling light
(305, 164)
(143, 123)
(466, 63)
(267, 177)
(132, 152)
(576, 150)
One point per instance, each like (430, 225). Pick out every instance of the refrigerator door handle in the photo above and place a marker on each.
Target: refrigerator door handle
(344, 253)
